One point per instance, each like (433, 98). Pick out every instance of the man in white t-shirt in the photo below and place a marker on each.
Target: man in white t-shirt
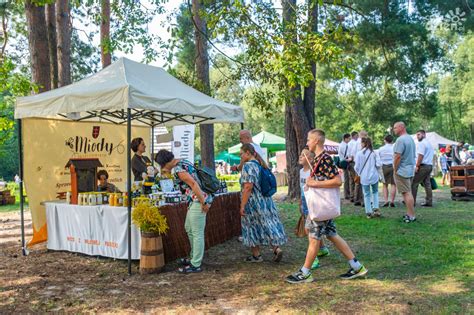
(423, 168)
(343, 153)
(385, 153)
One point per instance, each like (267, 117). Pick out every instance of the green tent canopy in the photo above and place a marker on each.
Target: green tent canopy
(228, 158)
(272, 142)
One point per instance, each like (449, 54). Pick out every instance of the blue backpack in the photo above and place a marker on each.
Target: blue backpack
(267, 181)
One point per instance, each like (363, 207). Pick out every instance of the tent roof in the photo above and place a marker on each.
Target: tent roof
(265, 140)
(435, 139)
(276, 143)
(154, 96)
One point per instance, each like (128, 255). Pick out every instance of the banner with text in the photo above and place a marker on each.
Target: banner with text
(47, 147)
(183, 142)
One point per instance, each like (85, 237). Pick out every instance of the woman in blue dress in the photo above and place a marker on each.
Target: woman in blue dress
(261, 224)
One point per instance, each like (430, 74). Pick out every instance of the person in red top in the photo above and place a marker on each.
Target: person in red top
(324, 175)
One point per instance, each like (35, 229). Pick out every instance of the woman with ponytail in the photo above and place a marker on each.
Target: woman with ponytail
(261, 224)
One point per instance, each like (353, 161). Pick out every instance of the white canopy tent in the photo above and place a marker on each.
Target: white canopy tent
(123, 92)
(154, 96)
(435, 140)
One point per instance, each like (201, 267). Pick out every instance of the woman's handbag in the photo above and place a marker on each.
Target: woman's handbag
(323, 203)
(300, 229)
(357, 177)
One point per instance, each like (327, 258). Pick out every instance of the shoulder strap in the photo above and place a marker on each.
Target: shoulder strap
(366, 161)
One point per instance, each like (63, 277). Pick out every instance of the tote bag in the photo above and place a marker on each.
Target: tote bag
(323, 203)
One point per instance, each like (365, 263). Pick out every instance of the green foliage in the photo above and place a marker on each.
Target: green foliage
(12, 84)
(129, 23)
(456, 94)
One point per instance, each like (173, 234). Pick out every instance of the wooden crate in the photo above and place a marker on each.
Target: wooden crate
(11, 200)
(5, 193)
(462, 179)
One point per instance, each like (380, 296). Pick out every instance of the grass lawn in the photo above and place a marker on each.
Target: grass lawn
(426, 265)
(422, 267)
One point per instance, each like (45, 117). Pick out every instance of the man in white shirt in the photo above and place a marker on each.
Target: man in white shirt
(385, 153)
(424, 165)
(352, 151)
(343, 153)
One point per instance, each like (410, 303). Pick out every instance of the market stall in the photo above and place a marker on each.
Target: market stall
(125, 93)
(101, 230)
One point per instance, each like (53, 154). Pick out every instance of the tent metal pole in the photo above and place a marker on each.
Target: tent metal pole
(129, 188)
(152, 145)
(22, 218)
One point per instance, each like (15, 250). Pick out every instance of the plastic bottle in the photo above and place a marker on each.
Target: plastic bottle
(119, 200)
(80, 200)
(92, 200)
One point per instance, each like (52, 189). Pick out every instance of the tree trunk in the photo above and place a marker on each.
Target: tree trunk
(291, 156)
(106, 57)
(202, 72)
(298, 121)
(38, 45)
(53, 53)
(64, 42)
(309, 100)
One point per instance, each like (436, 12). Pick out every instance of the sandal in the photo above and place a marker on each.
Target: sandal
(253, 259)
(189, 269)
(184, 262)
(277, 254)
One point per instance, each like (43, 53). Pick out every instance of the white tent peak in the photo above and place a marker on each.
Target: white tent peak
(435, 139)
(128, 84)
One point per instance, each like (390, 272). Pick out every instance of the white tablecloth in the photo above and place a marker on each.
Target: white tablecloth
(92, 230)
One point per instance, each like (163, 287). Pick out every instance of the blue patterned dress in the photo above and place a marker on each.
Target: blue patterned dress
(261, 224)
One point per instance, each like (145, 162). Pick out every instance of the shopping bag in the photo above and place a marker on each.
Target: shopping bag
(300, 230)
(434, 184)
(323, 203)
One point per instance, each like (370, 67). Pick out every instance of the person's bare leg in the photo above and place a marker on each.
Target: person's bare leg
(255, 251)
(312, 252)
(385, 193)
(409, 203)
(342, 246)
(394, 192)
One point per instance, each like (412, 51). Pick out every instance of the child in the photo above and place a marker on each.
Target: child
(305, 157)
(443, 161)
(325, 176)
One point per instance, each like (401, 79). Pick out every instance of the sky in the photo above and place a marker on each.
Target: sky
(156, 28)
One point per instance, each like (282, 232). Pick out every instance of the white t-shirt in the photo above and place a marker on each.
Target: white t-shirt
(424, 148)
(258, 149)
(386, 154)
(303, 177)
(343, 150)
(352, 151)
